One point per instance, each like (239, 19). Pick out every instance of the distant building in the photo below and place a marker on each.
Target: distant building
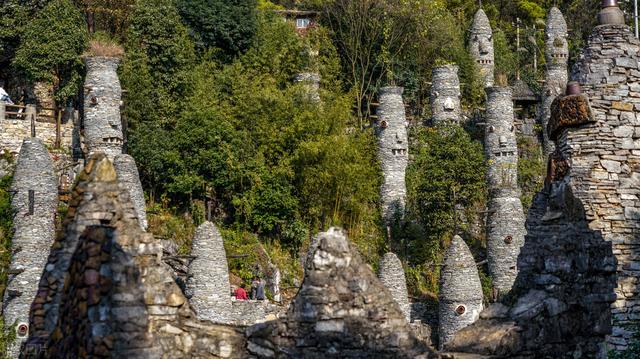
(303, 20)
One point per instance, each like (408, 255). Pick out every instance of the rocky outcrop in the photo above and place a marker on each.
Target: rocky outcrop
(341, 310)
(445, 95)
(391, 274)
(481, 47)
(35, 203)
(460, 296)
(128, 176)
(393, 151)
(208, 283)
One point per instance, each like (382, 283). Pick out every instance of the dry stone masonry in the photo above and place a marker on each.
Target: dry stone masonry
(557, 56)
(35, 202)
(311, 82)
(445, 95)
(391, 274)
(460, 296)
(208, 286)
(128, 175)
(102, 98)
(481, 47)
(505, 218)
(393, 151)
(341, 311)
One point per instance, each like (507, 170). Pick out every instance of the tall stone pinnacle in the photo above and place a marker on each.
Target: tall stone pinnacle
(445, 94)
(481, 47)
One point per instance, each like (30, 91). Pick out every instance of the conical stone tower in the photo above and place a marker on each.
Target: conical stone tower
(481, 47)
(460, 297)
(391, 274)
(128, 176)
(445, 95)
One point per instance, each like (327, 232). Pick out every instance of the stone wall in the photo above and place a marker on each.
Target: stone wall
(311, 82)
(557, 56)
(13, 131)
(481, 47)
(445, 95)
(391, 274)
(128, 175)
(102, 100)
(393, 150)
(505, 217)
(460, 296)
(208, 286)
(34, 231)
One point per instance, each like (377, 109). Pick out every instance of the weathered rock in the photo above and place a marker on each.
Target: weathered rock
(391, 274)
(481, 46)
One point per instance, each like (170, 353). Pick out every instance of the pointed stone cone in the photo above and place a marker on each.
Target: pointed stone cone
(129, 177)
(460, 297)
(481, 47)
(35, 203)
(208, 283)
(391, 274)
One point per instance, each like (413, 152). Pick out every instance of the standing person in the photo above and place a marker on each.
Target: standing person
(254, 287)
(240, 293)
(260, 290)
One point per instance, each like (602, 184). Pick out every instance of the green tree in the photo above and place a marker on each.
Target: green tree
(225, 24)
(51, 46)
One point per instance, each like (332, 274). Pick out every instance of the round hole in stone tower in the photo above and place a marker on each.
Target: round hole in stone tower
(508, 239)
(383, 124)
(461, 309)
(22, 330)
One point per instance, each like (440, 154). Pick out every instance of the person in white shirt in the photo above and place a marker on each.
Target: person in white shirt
(4, 96)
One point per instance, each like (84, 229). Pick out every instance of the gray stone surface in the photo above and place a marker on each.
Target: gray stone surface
(445, 94)
(33, 233)
(102, 99)
(128, 175)
(208, 286)
(391, 274)
(460, 296)
(505, 218)
(311, 81)
(393, 150)
(481, 47)
(556, 76)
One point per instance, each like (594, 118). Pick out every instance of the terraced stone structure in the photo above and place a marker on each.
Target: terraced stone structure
(391, 274)
(393, 151)
(460, 296)
(556, 76)
(35, 203)
(102, 99)
(128, 175)
(342, 310)
(114, 297)
(481, 47)
(505, 218)
(208, 286)
(445, 95)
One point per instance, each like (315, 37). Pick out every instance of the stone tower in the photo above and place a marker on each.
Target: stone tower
(603, 156)
(481, 47)
(460, 297)
(128, 175)
(505, 219)
(557, 57)
(393, 150)
(391, 274)
(311, 81)
(208, 286)
(35, 202)
(102, 98)
(445, 94)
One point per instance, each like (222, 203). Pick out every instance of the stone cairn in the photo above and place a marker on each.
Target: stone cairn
(208, 286)
(128, 175)
(342, 310)
(460, 296)
(393, 151)
(557, 56)
(311, 82)
(481, 47)
(35, 202)
(505, 218)
(445, 95)
(102, 98)
(106, 292)
(391, 274)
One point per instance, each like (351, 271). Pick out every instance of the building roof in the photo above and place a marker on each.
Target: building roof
(522, 92)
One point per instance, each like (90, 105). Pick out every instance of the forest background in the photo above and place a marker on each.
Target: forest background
(218, 126)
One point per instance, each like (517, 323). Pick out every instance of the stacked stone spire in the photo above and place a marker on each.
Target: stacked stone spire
(393, 150)
(128, 175)
(481, 47)
(102, 98)
(505, 219)
(35, 203)
(208, 284)
(445, 95)
(391, 274)
(557, 57)
(460, 296)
